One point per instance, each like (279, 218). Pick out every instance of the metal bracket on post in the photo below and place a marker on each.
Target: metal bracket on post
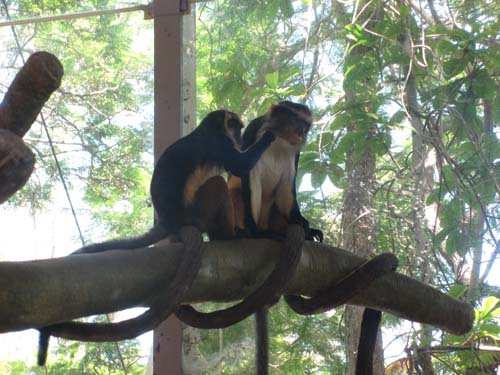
(184, 7)
(164, 8)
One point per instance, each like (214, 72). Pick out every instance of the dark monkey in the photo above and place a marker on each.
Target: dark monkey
(265, 198)
(186, 189)
(267, 201)
(188, 172)
(266, 205)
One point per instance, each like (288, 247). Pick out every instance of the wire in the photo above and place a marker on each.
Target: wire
(59, 170)
(68, 16)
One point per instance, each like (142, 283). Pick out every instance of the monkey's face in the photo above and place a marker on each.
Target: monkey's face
(290, 124)
(293, 130)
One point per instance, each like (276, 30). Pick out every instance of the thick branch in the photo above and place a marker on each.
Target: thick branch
(39, 293)
(29, 91)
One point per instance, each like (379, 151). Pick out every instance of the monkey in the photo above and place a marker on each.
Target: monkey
(268, 191)
(186, 189)
(195, 162)
(265, 205)
(265, 202)
(265, 198)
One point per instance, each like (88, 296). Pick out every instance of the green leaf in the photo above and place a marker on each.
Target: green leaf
(491, 330)
(286, 8)
(318, 176)
(272, 79)
(453, 67)
(457, 290)
(489, 305)
(460, 35)
(404, 10)
(336, 174)
(484, 87)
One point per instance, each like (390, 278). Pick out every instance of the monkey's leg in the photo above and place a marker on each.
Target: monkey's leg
(277, 223)
(164, 304)
(213, 209)
(236, 194)
(266, 294)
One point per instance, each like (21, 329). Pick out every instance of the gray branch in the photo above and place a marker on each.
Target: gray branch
(39, 293)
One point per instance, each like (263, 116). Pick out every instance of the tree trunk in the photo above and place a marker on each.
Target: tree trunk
(358, 214)
(358, 233)
(423, 168)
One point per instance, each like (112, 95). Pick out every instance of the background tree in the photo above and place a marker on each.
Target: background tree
(403, 156)
(99, 124)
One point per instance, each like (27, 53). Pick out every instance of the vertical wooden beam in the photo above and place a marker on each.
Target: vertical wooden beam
(167, 73)
(189, 71)
(167, 338)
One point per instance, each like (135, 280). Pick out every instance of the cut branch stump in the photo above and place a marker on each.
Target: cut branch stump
(30, 89)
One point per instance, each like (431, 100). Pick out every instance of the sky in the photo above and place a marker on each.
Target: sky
(51, 233)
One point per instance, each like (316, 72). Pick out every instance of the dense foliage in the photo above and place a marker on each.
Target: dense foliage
(412, 87)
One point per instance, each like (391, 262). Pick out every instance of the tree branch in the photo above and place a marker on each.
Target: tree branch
(30, 89)
(27, 94)
(16, 164)
(43, 292)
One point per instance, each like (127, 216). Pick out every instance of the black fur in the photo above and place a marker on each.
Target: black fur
(284, 115)
(249, 138)
(367, 340)
(207, 145)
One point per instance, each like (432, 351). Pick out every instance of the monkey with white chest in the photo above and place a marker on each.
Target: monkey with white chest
(265, 198)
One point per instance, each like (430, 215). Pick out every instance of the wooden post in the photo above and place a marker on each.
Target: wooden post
(168, 121)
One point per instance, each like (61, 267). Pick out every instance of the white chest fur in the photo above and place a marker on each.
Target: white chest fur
(271, 182)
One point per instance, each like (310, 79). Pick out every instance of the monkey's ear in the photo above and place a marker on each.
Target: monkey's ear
(227, 117)
(275, 109)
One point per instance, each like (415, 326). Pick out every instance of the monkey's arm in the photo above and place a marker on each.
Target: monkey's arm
(296, 216)
(239, 163)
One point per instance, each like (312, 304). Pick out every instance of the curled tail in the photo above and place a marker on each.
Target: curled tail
(155, 234)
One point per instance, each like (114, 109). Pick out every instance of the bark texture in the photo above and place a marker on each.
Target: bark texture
(43, 292)
(27, 94)
(16, 164)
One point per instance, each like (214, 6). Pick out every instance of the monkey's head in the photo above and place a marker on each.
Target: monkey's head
(290, 122)
(224, 121)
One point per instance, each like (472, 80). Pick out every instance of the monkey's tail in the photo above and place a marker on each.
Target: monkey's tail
(262, 340)
(155, 234)
(43, 346)
(367, 341)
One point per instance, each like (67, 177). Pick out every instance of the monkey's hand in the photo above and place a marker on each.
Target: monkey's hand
(314, 235)
(269, 137)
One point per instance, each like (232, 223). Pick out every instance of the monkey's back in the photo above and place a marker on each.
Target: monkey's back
(171, 174)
